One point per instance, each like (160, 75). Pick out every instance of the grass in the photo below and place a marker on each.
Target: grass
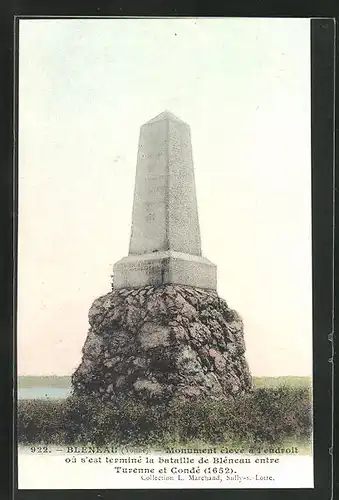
(31, 381)
(289, 381)
(270, 415)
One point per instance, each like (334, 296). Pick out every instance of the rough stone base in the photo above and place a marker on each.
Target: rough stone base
(163, 343)
(160, 268)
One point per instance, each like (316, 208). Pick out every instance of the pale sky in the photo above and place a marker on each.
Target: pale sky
(85, 88)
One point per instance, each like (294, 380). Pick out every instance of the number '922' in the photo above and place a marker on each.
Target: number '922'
(39, 449)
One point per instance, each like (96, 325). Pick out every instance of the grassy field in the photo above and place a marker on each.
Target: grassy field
(29, 381)
(282, 381)
(65, 381)
(269, 415)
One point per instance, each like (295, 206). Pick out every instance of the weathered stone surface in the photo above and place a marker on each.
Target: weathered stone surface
(165, 213)
(159, 268)
(161, 344)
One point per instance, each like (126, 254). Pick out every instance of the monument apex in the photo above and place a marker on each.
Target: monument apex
(165, 115)
(165, 243)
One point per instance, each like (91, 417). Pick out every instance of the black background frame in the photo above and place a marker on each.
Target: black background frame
(323, 125)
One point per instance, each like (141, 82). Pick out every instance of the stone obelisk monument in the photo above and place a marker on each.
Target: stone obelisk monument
(163, 332)
(165, 245)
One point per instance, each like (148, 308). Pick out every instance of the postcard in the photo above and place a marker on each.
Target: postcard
(164, 322)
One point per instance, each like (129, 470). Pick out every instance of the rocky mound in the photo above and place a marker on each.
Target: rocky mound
(162, 343)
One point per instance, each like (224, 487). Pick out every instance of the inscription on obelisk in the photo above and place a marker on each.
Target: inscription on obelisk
(165, 244)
